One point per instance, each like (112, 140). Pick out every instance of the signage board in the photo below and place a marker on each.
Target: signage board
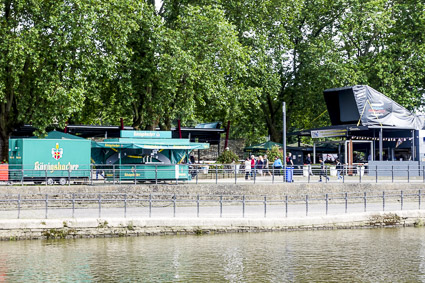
(328, 133)
(146, 134)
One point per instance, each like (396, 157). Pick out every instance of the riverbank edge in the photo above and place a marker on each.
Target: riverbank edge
(68, 228)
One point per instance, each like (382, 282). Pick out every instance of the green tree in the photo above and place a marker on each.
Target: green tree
(184, 64)
(50, 53)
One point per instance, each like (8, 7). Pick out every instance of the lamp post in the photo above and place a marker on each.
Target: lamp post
(284, 131)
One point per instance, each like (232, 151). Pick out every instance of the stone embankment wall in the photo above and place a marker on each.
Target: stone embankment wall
(11, 229)
(120, 227)
(292, 189)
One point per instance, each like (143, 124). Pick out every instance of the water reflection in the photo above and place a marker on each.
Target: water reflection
(370, 255)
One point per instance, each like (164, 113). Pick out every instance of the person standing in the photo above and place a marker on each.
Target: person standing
(289, 172)
(277, 165)
(289, 161)
(323, 170)
(247, 168)
(308, 163)
(252, 165)
(338, 169)
(260, 165)
(266, 166)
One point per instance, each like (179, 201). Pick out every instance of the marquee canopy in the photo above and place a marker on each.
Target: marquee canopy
(362, 105)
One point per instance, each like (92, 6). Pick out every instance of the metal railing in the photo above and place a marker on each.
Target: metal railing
(173, 205)
(211, 173)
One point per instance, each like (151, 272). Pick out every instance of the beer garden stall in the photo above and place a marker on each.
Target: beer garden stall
(144, 155)
(369, 128)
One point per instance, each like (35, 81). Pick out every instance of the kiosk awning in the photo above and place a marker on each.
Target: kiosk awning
(150, 144)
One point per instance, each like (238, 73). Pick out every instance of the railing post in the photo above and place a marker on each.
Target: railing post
(156, 174)
(45, 175)
(236, 177)
(408, 173)
(392, 173)
(221, 206)
(326, 173)
(22, 176)
(135, 181)
(383, 201)
(360, 174)
(286, 206)
(125, 205)
(376, 174)
(265, 206)
(273, 172)
(423, 173)
(344, 171)
(47, 203)
(69, 176)
(308, 172)
(174, 205)
(100, 205)
(197, 206)
(197, 173)
(19, 206)
(346, 202)
(306, 205)
(150, 205)
(365, 201)
(91, 174)
(216, 174)
(113, 173)
(243, 206)
(327, 204)
(73, 205)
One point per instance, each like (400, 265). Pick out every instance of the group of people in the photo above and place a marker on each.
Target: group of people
(323, 173)
(259, 165)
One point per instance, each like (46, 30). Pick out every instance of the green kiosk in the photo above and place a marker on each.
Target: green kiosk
(144, 156)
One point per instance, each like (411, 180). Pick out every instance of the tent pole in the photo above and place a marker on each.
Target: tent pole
(119, 168)
(346, 152)
(381, 154)
(284, 131)
(413, 145)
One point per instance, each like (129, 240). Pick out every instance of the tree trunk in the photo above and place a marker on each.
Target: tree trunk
(4, 139)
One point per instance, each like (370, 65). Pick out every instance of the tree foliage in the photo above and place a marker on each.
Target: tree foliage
(227, 157)
(50, 54)
(95, 61)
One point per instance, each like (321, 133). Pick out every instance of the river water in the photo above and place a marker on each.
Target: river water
(358, 255)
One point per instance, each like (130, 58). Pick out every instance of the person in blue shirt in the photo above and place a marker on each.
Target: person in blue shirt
(277, 165)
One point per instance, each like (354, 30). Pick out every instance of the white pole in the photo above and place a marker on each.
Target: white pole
(284, 131)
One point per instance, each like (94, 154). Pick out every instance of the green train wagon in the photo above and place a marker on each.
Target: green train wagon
(58, 158)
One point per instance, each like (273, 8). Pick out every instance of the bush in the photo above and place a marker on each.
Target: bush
(275, 151)
(227, 157)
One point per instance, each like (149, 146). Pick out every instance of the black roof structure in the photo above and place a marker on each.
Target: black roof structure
(365, 106)
(210, 135)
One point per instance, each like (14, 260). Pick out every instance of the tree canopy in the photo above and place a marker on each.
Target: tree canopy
(93, 62)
